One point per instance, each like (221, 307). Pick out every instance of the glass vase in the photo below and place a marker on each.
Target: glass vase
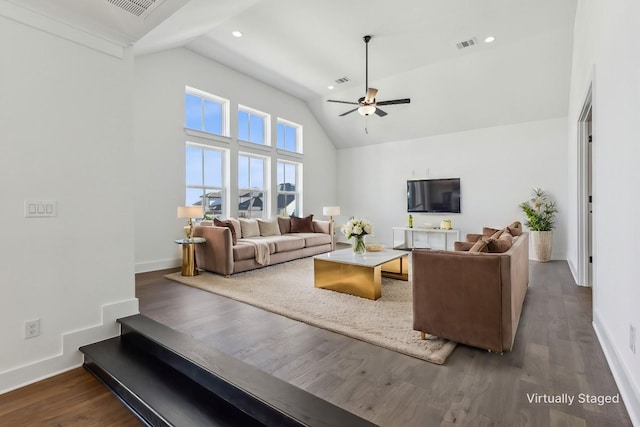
(358, 245)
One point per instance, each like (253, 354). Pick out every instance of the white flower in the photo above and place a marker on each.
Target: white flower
(357, 227)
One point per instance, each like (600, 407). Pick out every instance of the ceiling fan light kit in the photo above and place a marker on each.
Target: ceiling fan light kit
(367, 105)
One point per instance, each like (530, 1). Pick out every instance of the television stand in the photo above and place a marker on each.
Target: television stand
(405, 238)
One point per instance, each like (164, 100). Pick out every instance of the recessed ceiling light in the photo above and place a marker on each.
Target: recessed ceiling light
(489, 39)
(330, 87)
(236, 33)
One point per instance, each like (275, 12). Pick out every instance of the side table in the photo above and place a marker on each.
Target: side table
(189, 266)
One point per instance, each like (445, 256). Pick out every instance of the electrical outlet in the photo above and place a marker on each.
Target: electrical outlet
(632, 338)
(31, 328)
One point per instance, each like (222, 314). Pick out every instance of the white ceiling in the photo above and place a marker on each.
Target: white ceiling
(302, 46)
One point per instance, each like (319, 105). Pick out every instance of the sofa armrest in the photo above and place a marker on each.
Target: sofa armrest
(216, 254)
(459, 296)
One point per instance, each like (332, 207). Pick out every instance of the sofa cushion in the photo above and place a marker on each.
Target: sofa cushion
(268, 228)
(515, 228)
(314, 239)
(479, 246)
(229, 225)
(288, 243)
(302, 225)
(243, 251)
(249, 228)
(463, 246)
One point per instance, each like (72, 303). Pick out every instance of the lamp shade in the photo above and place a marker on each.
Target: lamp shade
(331, 210)
(189, 211)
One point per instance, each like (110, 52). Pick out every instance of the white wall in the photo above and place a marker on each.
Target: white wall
(160, 140)
(498, 168)
(65, 125)
(606, 53)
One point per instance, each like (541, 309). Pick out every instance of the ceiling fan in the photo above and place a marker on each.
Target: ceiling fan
(367, 105)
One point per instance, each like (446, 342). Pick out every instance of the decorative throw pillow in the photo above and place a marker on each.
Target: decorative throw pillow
(502, 244)
(250, 228)
(268, 228)
(473, 237)
(488, 231)
(479, 246)
(462, 246)
(229, 225)
(284, 224)
(236, 225)
(515, 228)
(302, 225)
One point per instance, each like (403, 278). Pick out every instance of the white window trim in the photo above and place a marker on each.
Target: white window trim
(226, 109)
(223, 189)
(266, 128)
(298, 128)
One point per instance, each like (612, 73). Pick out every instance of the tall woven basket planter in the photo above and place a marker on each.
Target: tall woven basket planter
(541, 242)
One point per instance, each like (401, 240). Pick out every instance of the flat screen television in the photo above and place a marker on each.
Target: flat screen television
(433, 195)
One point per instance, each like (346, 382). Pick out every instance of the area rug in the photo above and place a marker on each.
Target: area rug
(287, 289)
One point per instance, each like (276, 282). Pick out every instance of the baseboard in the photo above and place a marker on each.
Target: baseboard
(145, 267)
(629, 390)
(70, 357)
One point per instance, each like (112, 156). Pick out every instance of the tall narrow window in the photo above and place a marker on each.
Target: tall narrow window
(288, 188)
(289, 136)
(253, 126)
(252, 193)
(205, 112)
(205, 179)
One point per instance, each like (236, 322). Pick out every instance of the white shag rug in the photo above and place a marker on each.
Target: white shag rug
(287, 289)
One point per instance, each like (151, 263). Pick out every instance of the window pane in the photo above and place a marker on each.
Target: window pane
(290, 138)
(212, 117)
(193, 157)
(213, 168)
(243, 125)
(193, 197)
(193, 112)
(256, 174)
(213, 201)
(256, 132)
(280, 173)
(280, 136)
(290, 176)
(286, 204)
(243, 172)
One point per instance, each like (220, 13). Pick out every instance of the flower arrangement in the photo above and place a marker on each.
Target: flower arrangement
(540, 211)
(357, 228)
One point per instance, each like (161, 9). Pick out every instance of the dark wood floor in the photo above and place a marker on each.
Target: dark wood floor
(75, 398)
(556, 351)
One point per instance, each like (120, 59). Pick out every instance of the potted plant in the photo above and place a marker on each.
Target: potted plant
(541, 212)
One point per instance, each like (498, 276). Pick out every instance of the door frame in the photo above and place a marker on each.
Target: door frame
(585, 177)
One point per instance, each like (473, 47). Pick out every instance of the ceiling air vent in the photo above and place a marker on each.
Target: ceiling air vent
(139, 8)
(343, 80)
(467, 43)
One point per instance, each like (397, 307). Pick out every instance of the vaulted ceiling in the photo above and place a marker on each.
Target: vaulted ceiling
(304, 46)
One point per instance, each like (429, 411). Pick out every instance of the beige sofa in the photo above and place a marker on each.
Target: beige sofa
(473, 298)
(275, 243)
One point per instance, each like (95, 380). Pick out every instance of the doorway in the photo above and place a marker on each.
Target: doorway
(585, 193)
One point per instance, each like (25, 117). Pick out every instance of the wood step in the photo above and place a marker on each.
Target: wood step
(263, 398)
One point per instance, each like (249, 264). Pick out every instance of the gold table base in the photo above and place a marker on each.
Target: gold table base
(189, 267)
(358, 280)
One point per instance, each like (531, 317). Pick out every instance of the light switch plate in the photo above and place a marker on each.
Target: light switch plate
(40, 208)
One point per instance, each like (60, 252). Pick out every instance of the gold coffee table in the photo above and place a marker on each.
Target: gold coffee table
(360, 275)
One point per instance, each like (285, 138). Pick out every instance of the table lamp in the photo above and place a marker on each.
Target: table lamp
(190, 212)
(330, 211)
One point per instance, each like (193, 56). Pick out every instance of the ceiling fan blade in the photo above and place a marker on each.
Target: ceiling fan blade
(348, 112)
(395, 101)
(342, 102)
(371, 95)
(380, 113)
